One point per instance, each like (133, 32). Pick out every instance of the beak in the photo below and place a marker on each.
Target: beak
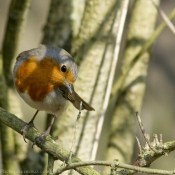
(69, 87)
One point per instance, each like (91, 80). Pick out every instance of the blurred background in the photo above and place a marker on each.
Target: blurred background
(158, 109)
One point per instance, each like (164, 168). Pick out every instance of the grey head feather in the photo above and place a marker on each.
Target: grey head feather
(60, 56)
(46, 51)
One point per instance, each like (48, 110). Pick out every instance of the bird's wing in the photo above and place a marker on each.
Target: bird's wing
(75, 99)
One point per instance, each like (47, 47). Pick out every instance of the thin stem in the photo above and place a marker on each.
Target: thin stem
(114, 164)
(75, 133)
(139, 145)
(144, 133)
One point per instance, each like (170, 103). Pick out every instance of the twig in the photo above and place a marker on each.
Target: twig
(144, 133)
(165, 18)
(160, 140)
(139, 145)
(116, 164)
(75, 133)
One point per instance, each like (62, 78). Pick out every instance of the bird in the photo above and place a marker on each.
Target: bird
(44, 78)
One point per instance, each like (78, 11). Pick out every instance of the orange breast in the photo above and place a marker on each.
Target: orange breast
(38, 78)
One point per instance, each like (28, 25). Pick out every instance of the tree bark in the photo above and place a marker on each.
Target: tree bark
(57, 30)
(100, 31)
(93, 49)
(131, 93)
(15, 26)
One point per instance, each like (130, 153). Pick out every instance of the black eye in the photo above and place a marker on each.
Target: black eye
(63, 68)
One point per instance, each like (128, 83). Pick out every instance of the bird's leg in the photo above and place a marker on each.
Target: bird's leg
(28, 125)
(47, 132)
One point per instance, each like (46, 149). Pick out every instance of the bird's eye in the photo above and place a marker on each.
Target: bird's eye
(63, 68)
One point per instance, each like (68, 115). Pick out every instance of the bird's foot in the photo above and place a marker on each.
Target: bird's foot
(26, 128)
(41, 136)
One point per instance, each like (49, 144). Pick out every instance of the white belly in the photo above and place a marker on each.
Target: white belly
(54, 102)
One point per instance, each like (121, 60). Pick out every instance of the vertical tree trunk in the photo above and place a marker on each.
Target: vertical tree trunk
(130, 97)
(15, 26)
(94, 47)
(57, 30)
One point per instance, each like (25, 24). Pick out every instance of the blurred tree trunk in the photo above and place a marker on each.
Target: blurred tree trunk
(3, 104)
(122, 131)
(93, 49)
(57, 30)
(12, 149)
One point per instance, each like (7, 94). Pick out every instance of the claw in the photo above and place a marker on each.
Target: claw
(26, 127)
(24, 137)
(46, 133)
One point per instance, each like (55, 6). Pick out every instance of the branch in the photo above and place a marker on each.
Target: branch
(113, 164)
(48, 145)
(152, 150)
(55, 150)
(144, 133)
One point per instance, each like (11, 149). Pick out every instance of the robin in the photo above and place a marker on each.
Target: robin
(44, 78)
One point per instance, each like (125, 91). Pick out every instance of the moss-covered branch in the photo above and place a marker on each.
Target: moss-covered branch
(58, 152)
(48, 145)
